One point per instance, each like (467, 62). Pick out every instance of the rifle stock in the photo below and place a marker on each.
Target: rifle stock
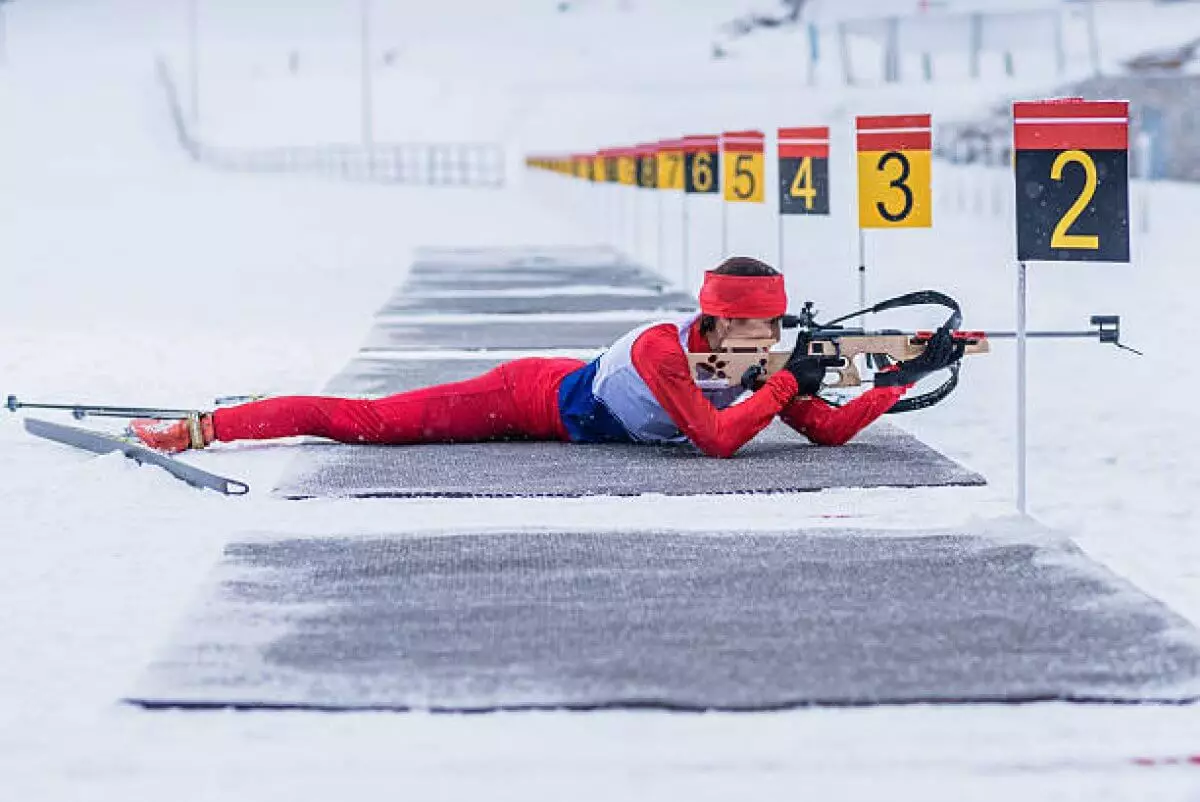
(726, 367)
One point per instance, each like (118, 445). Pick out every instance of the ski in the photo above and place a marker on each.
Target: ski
(100, 443)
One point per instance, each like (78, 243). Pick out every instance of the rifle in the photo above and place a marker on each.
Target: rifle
(838, 348)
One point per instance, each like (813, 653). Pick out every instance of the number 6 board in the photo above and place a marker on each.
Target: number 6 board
(700, 153)
(1072, 180)
(894, 171)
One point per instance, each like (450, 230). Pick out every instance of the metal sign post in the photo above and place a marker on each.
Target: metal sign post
(895, 164)
(803, 176)
(701, 158)
(1071, 173)
(743, 174)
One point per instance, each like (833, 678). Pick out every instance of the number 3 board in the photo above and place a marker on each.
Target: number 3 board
(1072, 180)
(894, 171)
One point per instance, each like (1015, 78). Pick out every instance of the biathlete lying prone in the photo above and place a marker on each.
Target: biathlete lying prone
(641, 390)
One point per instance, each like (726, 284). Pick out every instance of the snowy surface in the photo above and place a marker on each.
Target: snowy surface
(129, 276)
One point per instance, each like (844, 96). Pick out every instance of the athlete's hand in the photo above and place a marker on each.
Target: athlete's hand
(940, 352)
(809, 372)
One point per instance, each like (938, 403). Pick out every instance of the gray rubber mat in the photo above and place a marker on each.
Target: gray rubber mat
(521, 256)
(515, 334)
(726, 621)
(379, 377)
(507, 304)
(777, 461)
(477, 282)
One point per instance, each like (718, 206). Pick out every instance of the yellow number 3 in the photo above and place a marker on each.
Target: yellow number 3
(1060, 238)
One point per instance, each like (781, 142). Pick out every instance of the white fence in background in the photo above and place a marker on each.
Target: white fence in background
(450, 164)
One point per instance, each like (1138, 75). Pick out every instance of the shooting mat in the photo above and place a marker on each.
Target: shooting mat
(670, 303)
(778, 460)
(730, 620)
(510, 332)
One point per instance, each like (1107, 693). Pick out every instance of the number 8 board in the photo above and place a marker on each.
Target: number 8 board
(1072, 180)
(894, 171)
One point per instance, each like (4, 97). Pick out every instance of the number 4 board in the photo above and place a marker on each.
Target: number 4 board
(804, 170)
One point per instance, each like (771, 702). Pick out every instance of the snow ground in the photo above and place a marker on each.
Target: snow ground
(130, 276)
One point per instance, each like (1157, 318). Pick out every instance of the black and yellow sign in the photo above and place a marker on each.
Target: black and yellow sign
(895, 166)
(610, 165)
(627, 167)
(1072, 180)
(670, 164)
(804, 170)
(701, 158)
(647, 161)
(744, 168)
(583, 166)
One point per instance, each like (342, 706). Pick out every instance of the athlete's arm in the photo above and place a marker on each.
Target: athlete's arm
(827, 425)
(660, 361)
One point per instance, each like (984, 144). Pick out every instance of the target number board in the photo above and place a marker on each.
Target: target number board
(1072, 180)
(744, 168)
(894, 171)
(647, 166)
(670, 164)
(700, 162)
(804, 170)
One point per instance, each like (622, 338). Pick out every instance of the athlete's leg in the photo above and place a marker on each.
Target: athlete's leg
(514, 400)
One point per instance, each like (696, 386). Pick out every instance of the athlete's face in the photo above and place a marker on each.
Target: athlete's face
(744, 328)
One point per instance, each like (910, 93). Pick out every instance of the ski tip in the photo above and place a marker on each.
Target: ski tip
(235, 488)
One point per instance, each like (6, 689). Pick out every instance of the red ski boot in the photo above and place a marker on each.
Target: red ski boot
(173, 436)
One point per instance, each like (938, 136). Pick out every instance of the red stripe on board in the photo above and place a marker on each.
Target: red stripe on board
(799, 151)
(818, 132)
(671, 145)
(1069, 108)
(696, 144)
(1071, 136)
(742, 141)
(873, 123)
(917, 140)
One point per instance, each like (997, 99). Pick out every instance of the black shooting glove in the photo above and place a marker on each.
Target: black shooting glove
(808, 370)
(940, 352)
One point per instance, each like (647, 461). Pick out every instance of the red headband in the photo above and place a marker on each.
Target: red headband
(742, 296)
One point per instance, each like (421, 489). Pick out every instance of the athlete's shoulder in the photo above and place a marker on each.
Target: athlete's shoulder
(659, 338)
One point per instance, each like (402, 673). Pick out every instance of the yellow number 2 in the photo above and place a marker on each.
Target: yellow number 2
(1060, 238)
(802, 184)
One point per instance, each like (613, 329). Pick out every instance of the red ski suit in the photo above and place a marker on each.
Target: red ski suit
(518, 400)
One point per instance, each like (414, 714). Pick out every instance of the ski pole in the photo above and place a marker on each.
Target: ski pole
(80, 411)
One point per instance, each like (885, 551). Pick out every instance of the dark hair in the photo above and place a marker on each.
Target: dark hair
(736, 266)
